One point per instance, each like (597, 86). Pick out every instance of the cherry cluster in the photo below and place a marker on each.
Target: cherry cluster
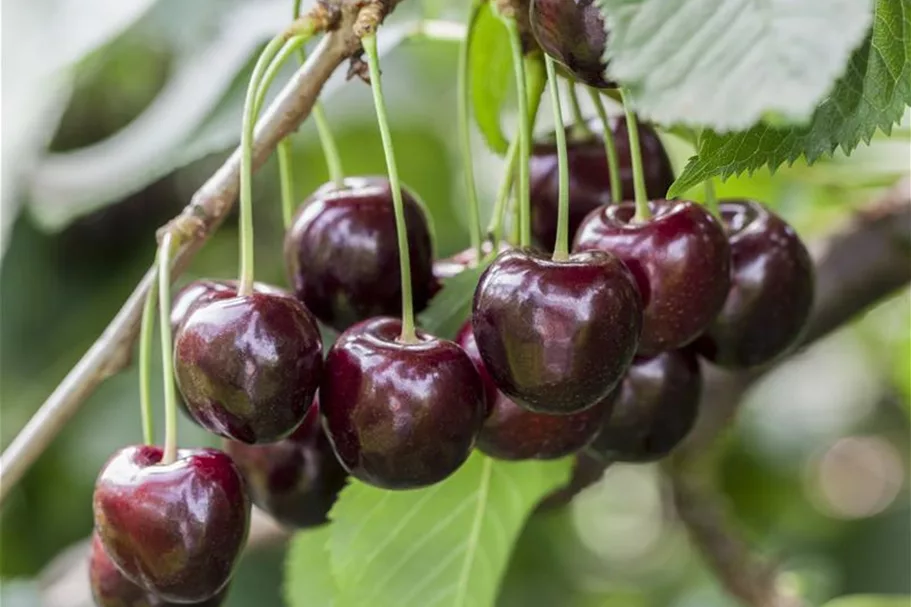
(596, 349)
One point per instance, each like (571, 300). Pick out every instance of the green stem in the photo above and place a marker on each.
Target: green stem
(145, 366)
(561, 247)
(474, 212)
(580, 126)
(286, 180)
(524, 201)
(498, 217)
(610, 148)
(274, 67)
(632, 125)
(164, 310)
(408, 333)
(711, 199)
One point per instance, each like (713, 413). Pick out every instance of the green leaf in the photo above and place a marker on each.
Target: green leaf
(490, 75)
(724, 64)
(308, 577)
(871, 601)
(451, 307)
(873, 94)
(446, 545)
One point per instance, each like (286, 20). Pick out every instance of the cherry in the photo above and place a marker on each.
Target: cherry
(589, 179)
(771, 289)
(175, 529)
(656, 408)
(295, 480)
(342, 257)
(572, 32)
(680, 258)
(248, 367)
(556, 336)
(110, 588)
(201, 292)
(513, 433)
(400, 415)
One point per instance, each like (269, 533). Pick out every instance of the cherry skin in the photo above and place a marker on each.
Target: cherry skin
(771, 290)
(400, 415)
(655, 410)
(513, 433)
(295, 480)
(572, 32)
(556, 336)
(110, 588)
(342, 256)
(589, 179)
(680, 258)
(248, 367)
(175, 529)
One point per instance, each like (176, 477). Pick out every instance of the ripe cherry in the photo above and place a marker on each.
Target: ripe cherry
(400, 415)
(572, 32)
(175, 529)
(513, 433)
(295, 480)
(771, 289)
(589, 179)
(556, 336)
(110, 588)
(248, 367)
(342, 257)
(656, 408)
(680, 258)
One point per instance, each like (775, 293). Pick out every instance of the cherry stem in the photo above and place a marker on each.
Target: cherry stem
(167, 364)
(286, 180)
(524, 201)
(561, 248)
(580, 126)
(498, 217)
(632, 126)
(474, 212)
(610, 148)
(711, 199)
(145, 366)
(369, 43)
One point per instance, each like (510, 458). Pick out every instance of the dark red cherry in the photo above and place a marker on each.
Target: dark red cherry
(655, 410)
(771, 289)
(110, 588)
(400, 415)
(342, 256)
(589, 179)
(176, 529)
(248, 367)
(556, 336)
(295, 480)
(572, 32)
(465, 339)
(201, 292)
(680, 258)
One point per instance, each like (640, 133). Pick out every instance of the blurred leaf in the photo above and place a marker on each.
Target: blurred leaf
(452, 306)
(724, 64)
(491, 69)
(448, 544)
(873, 94)
(870, 601)
(308, 577)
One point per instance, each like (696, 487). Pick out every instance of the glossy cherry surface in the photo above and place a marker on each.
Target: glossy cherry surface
(248, 367)
(342, 255)
(110, 588)
(400, 415)
(680, 258)
(175, 529)
(556, 336)
(655, 410)
(771, 290)
(465, 339)
(572, 32)
(198, 293)
(589, 179)
(296, 480)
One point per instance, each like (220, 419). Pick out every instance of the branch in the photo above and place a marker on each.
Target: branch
(208, 208)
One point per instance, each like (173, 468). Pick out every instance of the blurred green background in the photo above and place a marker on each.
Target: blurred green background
(117, 136)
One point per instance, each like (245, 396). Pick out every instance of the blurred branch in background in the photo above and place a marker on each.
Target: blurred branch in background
(857, 266)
